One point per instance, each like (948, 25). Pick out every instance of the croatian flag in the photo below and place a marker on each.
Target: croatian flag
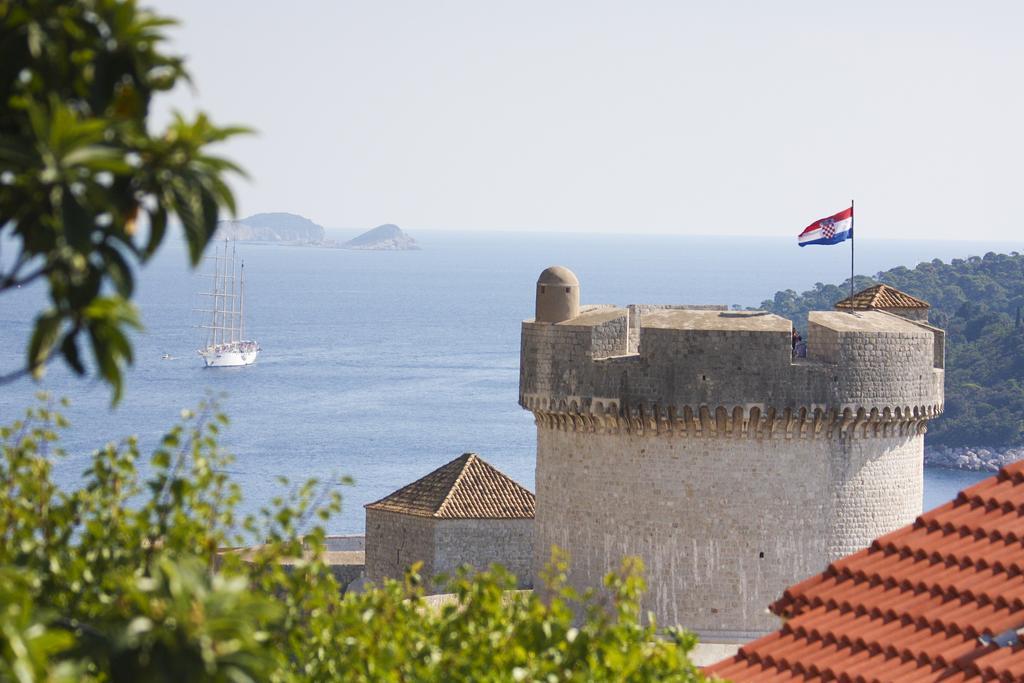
(831, 230)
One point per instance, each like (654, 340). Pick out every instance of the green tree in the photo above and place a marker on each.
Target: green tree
(123, 578)
(86, 188)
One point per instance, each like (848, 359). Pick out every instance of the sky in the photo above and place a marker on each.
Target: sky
(706, 118)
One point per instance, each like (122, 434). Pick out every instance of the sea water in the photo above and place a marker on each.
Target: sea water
(385, 365)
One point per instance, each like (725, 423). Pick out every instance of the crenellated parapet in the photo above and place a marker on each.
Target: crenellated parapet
(702, 373)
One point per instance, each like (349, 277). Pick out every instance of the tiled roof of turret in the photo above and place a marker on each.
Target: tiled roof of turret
(941, 599)
(465, 488)
(881, 296)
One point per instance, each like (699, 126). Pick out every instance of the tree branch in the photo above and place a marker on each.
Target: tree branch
(15, 375)
(11, 280)
(28, 369)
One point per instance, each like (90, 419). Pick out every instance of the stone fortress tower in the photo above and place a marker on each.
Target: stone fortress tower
(691, 437)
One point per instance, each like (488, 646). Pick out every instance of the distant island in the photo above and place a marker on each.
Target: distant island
(386, 237)
(293, 229)
(273, 227)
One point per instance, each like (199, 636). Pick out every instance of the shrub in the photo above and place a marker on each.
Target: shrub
(124, 578)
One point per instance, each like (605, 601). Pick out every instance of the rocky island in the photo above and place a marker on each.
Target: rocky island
(386, 237)
(293, 229)
(287, 228)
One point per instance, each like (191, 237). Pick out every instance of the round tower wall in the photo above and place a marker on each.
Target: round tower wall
(723, 525)
(707, 444)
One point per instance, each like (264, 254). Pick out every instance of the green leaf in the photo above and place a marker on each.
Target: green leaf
(44, 336)
(69, 349)
(96, 159)
(157, 230)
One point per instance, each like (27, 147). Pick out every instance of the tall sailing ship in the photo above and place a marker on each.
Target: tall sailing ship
(226, 345)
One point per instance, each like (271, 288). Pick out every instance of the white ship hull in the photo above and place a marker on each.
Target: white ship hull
(229, 357)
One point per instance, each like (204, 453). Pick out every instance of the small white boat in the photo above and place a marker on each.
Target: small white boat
(226, 345)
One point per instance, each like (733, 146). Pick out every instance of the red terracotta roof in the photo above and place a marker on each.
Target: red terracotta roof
(941, 599)
(465, 488)
(883, 297)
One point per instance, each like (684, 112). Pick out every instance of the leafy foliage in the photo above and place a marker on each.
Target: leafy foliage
(978, 302)
(124, 579)
(80, 170)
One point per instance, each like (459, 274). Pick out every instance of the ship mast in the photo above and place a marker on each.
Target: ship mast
(226, 321)
(215, 318)
(241, 302)
(220, 300)
(233, 327)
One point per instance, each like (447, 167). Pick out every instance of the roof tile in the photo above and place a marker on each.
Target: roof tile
(921, 604)
(881, 296)
(465, 488)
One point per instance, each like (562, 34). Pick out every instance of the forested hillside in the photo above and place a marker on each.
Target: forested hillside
(978, 302)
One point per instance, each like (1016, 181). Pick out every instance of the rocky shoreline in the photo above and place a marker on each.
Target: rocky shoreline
(974, 458)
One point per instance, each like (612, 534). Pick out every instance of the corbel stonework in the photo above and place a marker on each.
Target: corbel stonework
(729, 422)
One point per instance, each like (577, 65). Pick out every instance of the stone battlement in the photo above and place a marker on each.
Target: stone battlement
(712, 372)
(691, 437)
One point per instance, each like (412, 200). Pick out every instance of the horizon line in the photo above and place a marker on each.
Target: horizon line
(668, 234)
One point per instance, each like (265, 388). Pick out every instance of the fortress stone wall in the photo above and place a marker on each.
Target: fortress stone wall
(692, 438)
(465, 512)
(483, 542)
(395, 541)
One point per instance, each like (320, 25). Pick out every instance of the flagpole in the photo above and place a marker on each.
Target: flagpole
(852, 234)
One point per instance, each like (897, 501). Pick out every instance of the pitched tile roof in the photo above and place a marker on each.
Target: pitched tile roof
(939, 599)
(881, 296)
(465, 488)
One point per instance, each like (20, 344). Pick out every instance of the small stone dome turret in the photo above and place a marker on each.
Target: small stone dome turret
(558, 295)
